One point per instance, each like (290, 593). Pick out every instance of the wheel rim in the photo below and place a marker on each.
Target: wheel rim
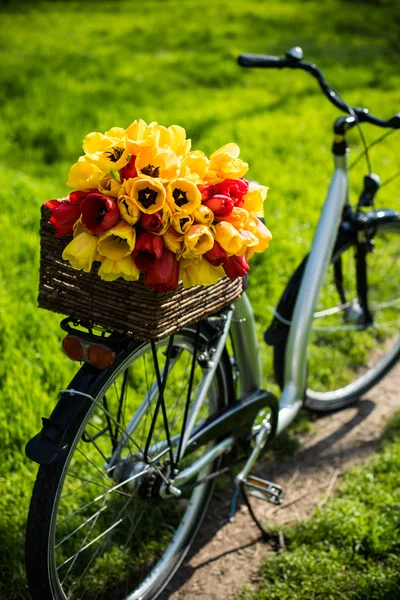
(359, 354)
(110, 541)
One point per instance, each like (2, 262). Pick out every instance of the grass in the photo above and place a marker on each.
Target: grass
(350, 548)
(70, 67)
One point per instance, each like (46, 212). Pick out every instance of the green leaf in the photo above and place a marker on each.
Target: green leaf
(115, 175)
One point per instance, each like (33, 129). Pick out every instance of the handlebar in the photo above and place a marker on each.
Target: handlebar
(293, 60)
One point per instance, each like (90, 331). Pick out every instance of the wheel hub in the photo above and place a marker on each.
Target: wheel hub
(354, 313)
(139, 479)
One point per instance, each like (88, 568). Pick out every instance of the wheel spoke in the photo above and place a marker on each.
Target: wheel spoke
(113, 533)
(98, 498)
(88, 520)
(75, 556)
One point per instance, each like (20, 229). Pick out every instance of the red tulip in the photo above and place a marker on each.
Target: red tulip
(221, 205)
(129, 171)
(64, 215)
(78, 196)
(164, 275)
(235, 189)
(207, 191)
(152, 223)
(148, 250)
(99, 212)
(217, 255)
(236, 266)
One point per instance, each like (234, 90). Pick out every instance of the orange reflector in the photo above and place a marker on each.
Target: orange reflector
(73, 347)
(100, 356)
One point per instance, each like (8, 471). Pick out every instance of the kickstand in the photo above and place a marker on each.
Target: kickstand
(266, 536)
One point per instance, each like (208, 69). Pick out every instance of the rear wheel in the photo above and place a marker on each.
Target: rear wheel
(345, 357)
(99, 525)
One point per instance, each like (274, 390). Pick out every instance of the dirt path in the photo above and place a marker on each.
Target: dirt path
(227, 556)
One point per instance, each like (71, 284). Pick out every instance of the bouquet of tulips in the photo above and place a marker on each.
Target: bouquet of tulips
(143, 201)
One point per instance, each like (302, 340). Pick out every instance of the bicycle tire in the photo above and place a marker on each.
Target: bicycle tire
(142, 567)
(325, 392)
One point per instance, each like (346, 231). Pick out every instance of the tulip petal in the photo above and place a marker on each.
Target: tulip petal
(82, 251)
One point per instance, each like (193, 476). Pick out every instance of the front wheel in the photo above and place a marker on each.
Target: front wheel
(99, 525)
(345, 357)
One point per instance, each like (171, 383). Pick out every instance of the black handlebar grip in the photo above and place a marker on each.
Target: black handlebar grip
(394, 122)
(260, 60)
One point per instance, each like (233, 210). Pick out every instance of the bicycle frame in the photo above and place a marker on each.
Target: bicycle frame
(242, 327)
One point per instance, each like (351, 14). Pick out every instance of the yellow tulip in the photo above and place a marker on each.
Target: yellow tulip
(183, 195)
(111, 270)
(117, 242)
(250, 240)
(139, 135)
(177, 140)
(226, 164)
(263, 235)
(116, 133)
(128, 208)
(84, 175)
(109, 186)
(229, 238)
(148, 194)
(194, 166)
(199, 272)
(107, 151)
(136, 130)
(181, 221)
(80, 228)
(254, 199)
(239, 218)
(82, 251)
(157, 162)
(112, 159)
(96, 142)
(173, 241)
(203, 215)
(198, 239)
(166, 216)
(173, 137)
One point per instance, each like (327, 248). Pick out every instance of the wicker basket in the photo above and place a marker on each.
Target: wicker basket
(121, 306)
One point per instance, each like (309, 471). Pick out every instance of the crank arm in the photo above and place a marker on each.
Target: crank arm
(260, 441)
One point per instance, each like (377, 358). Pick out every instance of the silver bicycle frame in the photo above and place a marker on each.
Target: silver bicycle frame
(243, 329)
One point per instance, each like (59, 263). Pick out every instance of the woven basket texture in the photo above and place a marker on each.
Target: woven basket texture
(126, 307)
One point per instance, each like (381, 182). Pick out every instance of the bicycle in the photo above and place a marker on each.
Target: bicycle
(131, 452)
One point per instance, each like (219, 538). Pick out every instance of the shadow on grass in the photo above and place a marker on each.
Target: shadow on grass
(392, 430)
(283, 456)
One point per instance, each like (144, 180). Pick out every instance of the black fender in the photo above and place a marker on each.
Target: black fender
(52, 443)
(57, 433)
(352, 223)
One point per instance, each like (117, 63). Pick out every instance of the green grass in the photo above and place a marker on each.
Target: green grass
(72, 67)
(350, 548)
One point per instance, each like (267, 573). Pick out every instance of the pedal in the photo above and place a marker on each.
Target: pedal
(264, 490)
